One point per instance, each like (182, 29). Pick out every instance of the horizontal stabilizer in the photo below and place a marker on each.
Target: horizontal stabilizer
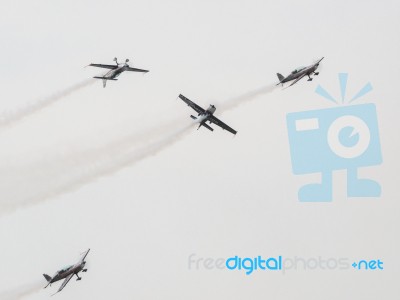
(193, 117)
(104, 78)
(208, 127)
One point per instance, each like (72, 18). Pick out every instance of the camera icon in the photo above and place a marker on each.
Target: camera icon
(325, 140)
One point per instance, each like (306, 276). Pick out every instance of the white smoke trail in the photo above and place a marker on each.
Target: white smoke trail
(60, 175)
(119, 162)
(21, 292)
(57, 175)
(251, 95)
(7, 119)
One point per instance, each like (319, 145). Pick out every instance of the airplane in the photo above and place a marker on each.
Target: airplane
(299, 73)
(206, 115)
(115, 70)
(67, 273)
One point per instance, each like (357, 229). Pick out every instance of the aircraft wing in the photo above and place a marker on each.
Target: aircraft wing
(84, 254)
(66, 280)
(192, 104)
(111, 67)
(136, 70)
(221, 124)
(298, 79)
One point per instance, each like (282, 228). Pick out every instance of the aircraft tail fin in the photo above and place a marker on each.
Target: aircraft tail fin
(280, 76)
(48, 278)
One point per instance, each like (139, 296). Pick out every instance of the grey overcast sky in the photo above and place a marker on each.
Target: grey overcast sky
(119, 170)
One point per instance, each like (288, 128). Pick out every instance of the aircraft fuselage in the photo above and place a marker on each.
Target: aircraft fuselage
(308, 71)
(204, 117)
(300, 73)
(116, 72)
(209, 112)
(63, 274)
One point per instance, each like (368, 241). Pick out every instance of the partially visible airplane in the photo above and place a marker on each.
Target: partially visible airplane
(299, 73)
(67, 273)
(206, 115)
(115, 70)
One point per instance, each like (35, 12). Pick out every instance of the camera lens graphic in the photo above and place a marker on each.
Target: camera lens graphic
(348, 136)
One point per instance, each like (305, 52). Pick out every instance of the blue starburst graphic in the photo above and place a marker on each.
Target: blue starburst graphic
(343, 87)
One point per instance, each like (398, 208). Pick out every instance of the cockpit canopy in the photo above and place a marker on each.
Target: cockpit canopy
(65, 269)
(297, 70)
